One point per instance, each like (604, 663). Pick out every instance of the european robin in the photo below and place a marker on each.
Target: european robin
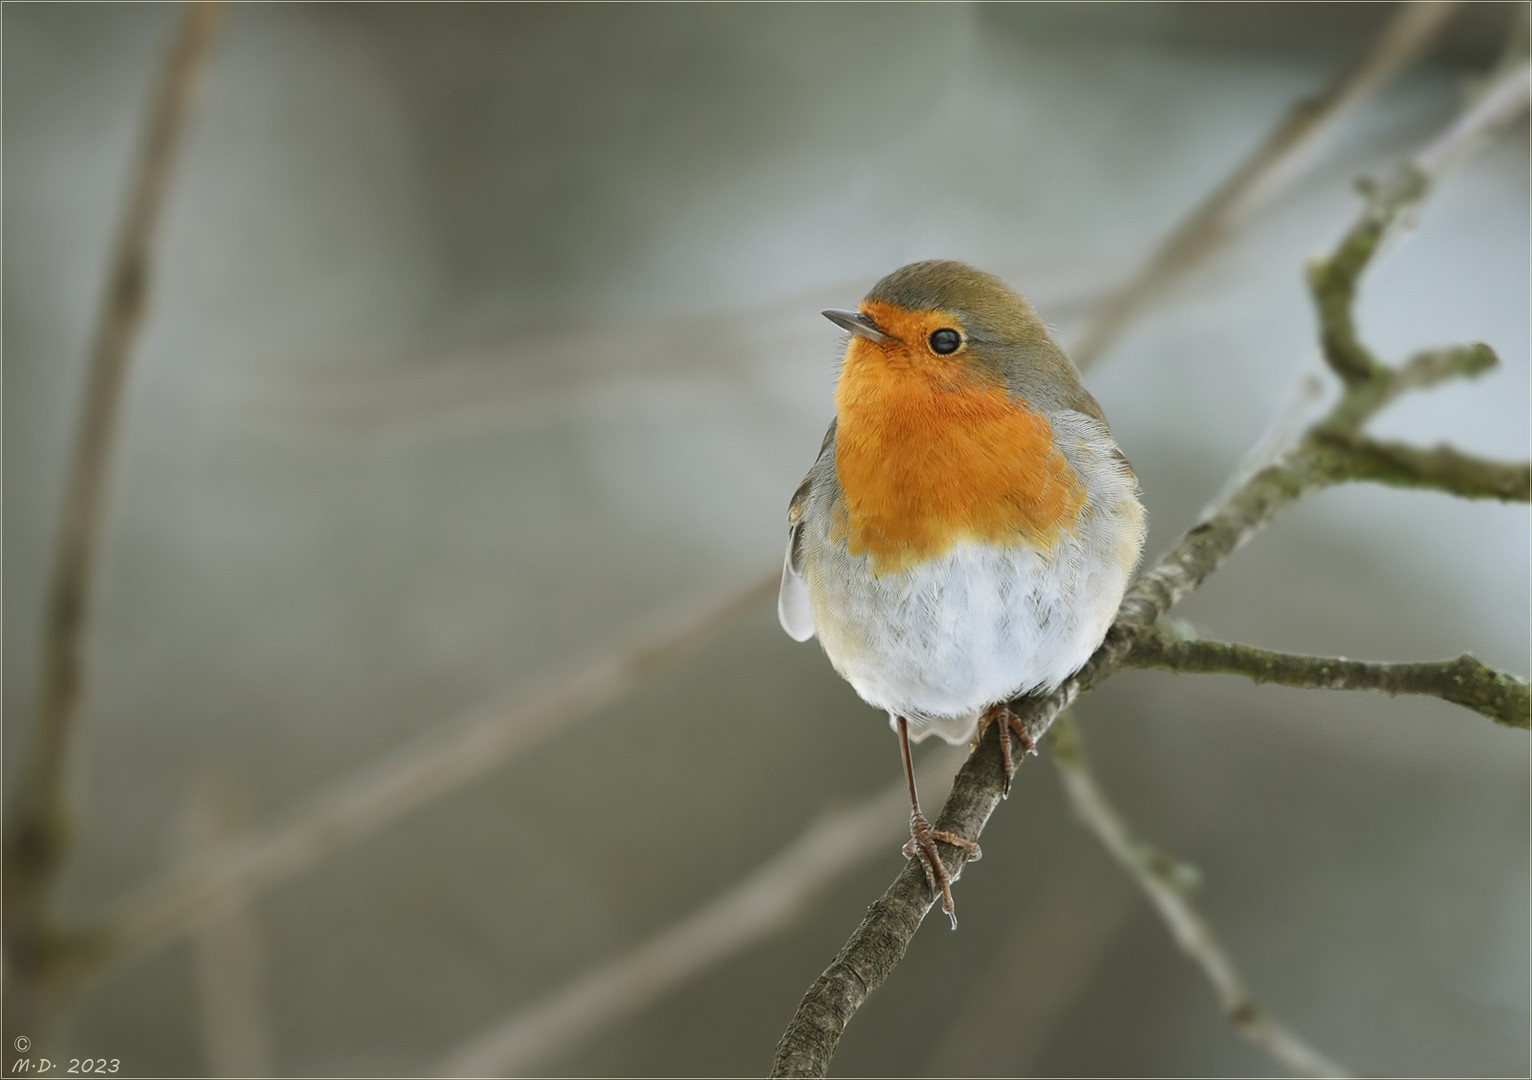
(968, 530)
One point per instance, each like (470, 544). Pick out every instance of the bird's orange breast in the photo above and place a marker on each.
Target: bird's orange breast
(930, 454)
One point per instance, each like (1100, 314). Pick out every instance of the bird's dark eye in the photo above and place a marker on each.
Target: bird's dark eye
(945, 341)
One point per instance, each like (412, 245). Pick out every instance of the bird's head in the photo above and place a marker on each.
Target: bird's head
(955, 325)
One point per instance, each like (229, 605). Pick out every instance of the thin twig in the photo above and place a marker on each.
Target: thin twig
(1167, 893)
(1381, 386)
(39, 822)
(762, 904)
(879, 942)
(1258, 176)
(1465, 681)
(1332, 281)
(1439, 468)
(389, 788)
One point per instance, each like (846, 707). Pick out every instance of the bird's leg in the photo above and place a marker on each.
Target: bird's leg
(1001, 714)
(923, 838)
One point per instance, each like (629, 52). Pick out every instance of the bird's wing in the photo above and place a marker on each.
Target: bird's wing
(793, 608)
(1087, 444)
(1085, 402)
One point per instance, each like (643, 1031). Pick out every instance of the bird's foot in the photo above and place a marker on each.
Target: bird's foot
(1009, 722)
(922, 846)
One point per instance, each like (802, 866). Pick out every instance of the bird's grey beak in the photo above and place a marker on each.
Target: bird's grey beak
(857, 323)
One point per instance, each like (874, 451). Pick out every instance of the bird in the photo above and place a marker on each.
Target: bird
(969, 527)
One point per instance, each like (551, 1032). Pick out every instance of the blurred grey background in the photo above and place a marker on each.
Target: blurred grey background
(483, 337)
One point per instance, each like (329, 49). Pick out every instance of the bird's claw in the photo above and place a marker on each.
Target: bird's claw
(1010, 722)
(922, 846)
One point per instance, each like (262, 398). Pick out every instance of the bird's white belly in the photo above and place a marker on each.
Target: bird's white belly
(942, 641)
(980, 624)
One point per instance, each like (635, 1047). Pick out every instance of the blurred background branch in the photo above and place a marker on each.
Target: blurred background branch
(1276, 161)
(765, 902)
(236, 1024)
(387, 790)
(39, 821)
(1165, 883)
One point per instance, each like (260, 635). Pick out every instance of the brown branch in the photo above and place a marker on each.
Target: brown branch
(1465, 681)
(37, 832)
(878, 944)
(1406, 36)
(1163, 882)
